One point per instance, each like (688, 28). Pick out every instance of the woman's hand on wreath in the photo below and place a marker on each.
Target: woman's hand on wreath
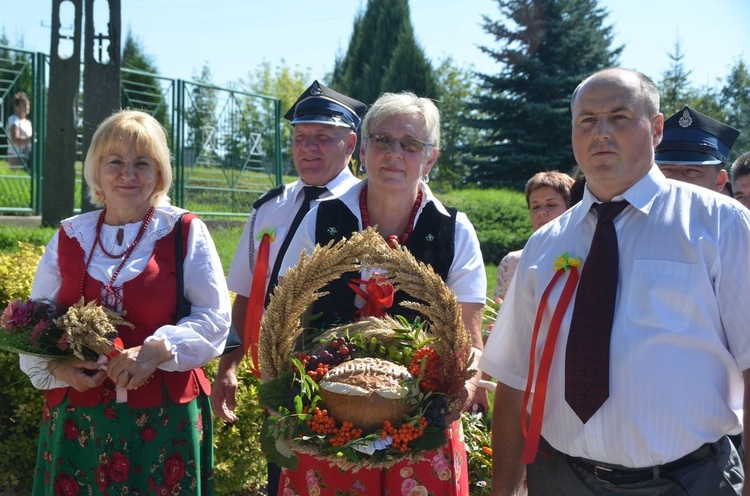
(466, 398)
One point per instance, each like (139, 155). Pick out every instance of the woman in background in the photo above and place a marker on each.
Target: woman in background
(547, 196)
(19, 132)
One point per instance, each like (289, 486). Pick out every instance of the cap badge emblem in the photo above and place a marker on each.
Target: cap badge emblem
(332, 231)
(685, 120)
(315, 90)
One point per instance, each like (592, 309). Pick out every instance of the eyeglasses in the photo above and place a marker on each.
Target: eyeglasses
(409, 145)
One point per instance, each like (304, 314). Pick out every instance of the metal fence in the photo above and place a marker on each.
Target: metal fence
(226, 143)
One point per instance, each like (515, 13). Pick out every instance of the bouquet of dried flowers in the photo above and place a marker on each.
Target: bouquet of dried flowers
(43, 328)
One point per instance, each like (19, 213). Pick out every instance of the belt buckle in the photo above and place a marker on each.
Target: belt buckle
(606, 470)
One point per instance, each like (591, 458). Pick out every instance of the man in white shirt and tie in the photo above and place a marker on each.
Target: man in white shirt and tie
(324, 138)
(679, 350)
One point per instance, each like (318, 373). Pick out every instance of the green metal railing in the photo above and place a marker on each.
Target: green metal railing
(226, 143)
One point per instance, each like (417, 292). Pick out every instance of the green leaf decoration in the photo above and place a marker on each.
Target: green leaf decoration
(275, 394)
(276, 449)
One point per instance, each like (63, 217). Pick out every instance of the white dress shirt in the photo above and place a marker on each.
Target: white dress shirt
(680, 337)
(277, 215)
(466, 276)
(197, 338)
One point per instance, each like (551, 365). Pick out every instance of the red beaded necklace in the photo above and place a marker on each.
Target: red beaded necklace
(109, 289)
(392, 240)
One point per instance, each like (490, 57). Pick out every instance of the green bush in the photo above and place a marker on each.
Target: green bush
(240, 464)
(10, 236)
(20, 404)
(500, 217)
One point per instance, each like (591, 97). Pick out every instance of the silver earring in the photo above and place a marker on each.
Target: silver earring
(426, 178)
(362, 168)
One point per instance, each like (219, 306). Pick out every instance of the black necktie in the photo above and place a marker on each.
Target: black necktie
(311, 194)
(587, 350)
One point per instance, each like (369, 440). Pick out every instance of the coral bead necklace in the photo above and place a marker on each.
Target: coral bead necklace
(392, 240)
(111, 296)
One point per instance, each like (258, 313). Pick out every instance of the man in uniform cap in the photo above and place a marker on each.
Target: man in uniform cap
(695, 149)
(324, 138)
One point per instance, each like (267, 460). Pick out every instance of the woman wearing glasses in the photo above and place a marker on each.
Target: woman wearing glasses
(401, 138)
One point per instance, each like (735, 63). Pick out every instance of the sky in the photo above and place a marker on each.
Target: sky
(233, 37)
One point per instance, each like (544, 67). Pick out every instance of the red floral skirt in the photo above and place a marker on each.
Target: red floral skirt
(442, 473)
(111, 449)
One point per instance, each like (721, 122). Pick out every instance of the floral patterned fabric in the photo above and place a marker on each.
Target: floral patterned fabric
(113, 449)
(505, 272)
(442, 473)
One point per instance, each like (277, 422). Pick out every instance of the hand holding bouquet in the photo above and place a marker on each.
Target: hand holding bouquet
(40, 327)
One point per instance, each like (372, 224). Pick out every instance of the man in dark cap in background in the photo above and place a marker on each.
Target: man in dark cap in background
(695, 149)
(324, 138)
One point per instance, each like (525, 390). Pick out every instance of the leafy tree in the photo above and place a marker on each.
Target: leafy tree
(735, 99)
(286, 84)
(706, 100)
(457, 87)
(383, 55)
(142, 90)
(545, 48)
(15, 72)
(674, 89)
(200, 112)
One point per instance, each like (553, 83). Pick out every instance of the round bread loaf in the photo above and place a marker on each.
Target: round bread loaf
(366, 392)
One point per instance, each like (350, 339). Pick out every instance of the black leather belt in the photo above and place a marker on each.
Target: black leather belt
(618, 476)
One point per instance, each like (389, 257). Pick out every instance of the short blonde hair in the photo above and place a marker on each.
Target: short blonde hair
(391, 105)
(558, 181)
(129, 128)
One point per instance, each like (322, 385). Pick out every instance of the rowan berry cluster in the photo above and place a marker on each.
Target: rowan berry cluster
(431, 374)
(325, 424)
(404, 434)
(322, 423)
(345, 433)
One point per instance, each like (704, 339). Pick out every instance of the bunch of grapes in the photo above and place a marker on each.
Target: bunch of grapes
(377, 348)
(339, 350)
(435, 408)
(431, 373)
(404, 434)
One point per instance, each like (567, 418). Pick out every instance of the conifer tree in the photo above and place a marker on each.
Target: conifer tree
(674, 88)
(383, 55)
(142, 91)
(735, 99)
(544, 49)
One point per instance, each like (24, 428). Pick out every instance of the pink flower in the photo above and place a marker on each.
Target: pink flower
(17, 315)
(408, 486)
(311, 480)
(439, 463)
(6, 320)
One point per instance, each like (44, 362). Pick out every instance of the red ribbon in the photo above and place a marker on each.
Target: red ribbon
(251, 331)
(533, 431)
(378, 296)
(117, 347)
